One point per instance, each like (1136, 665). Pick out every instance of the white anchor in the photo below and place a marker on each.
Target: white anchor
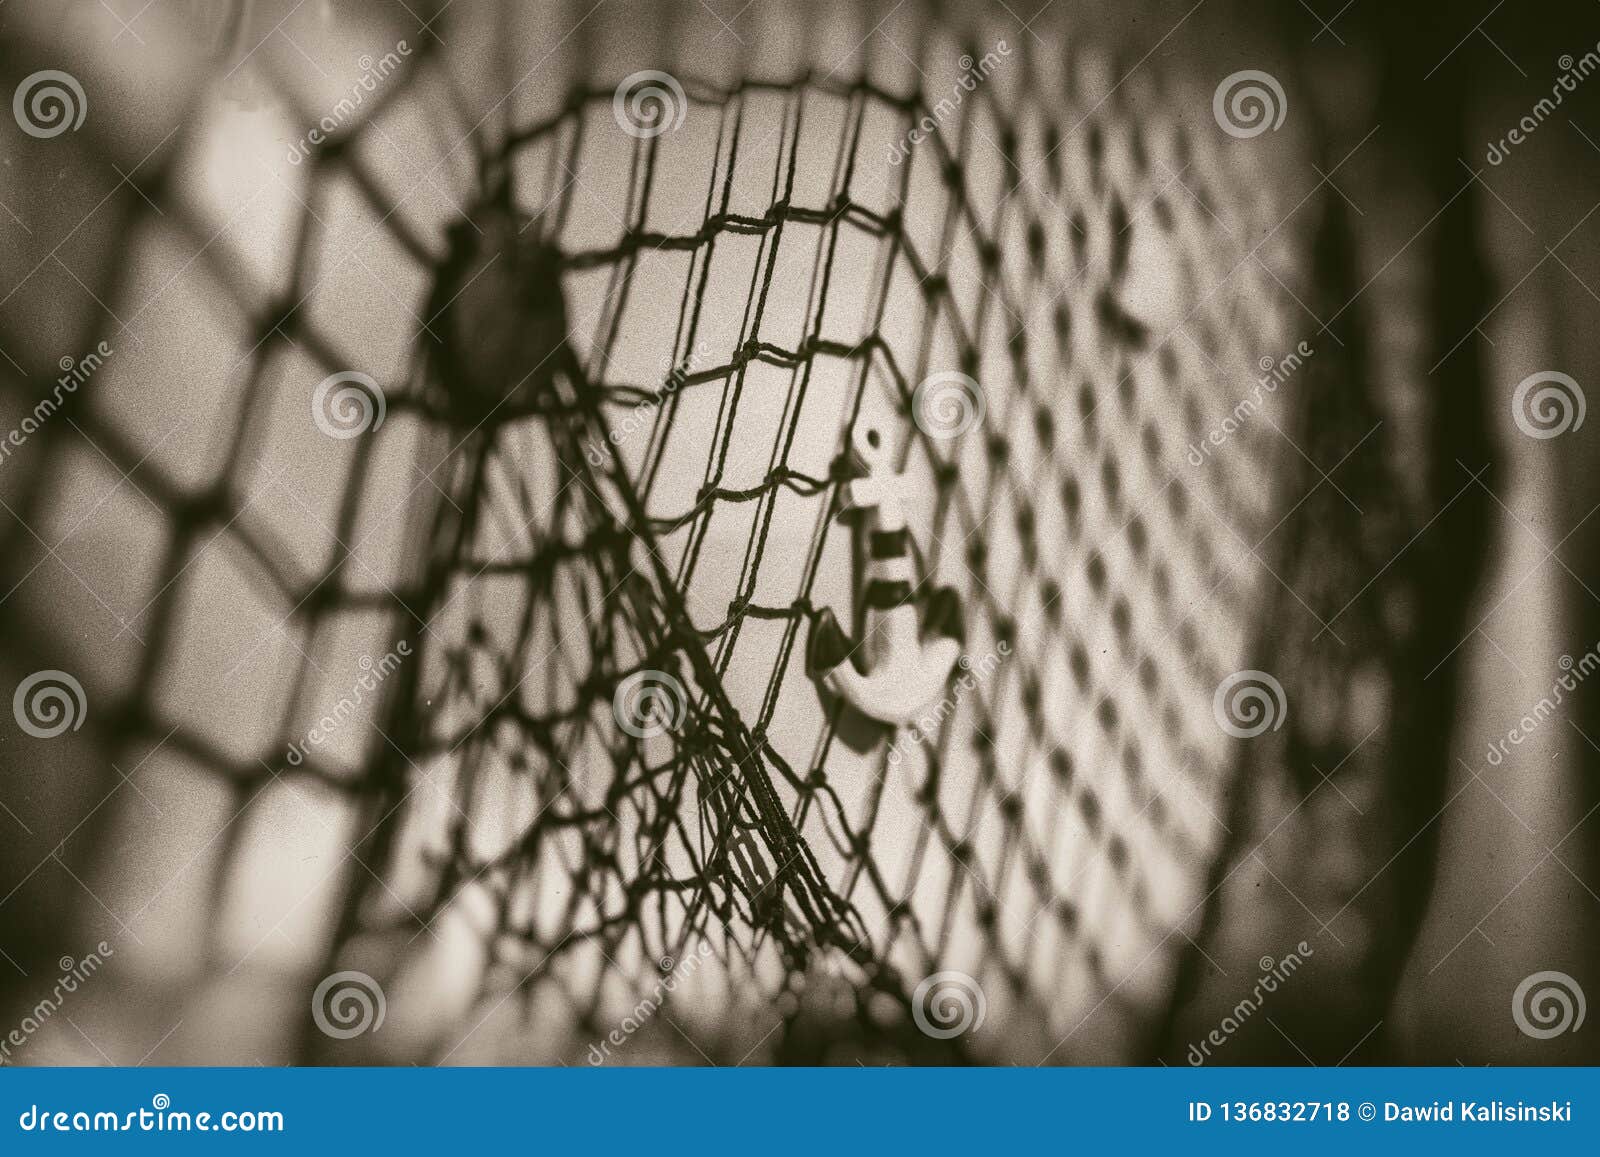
(898, 674)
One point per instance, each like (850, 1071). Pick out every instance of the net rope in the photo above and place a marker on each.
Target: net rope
(621, 425)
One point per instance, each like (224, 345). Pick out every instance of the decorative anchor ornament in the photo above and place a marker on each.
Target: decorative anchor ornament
(892, 673)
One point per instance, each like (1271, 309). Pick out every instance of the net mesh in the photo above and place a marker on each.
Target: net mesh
(595, 522)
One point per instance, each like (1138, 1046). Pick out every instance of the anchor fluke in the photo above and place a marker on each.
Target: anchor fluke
(828, 646)
(898, 692)
(943, 616)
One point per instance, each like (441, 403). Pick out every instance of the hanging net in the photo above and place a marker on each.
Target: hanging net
(499, 581)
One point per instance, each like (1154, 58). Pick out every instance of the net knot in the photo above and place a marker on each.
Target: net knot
(281, 319)
(497, 330)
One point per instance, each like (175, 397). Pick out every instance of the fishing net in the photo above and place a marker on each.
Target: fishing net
(502, 562)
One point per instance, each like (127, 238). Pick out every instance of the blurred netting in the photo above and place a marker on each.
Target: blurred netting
(617, 431)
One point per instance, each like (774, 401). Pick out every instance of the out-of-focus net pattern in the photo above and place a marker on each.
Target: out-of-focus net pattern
(619, 432)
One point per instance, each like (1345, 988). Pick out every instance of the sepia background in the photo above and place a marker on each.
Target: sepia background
(429, 428)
